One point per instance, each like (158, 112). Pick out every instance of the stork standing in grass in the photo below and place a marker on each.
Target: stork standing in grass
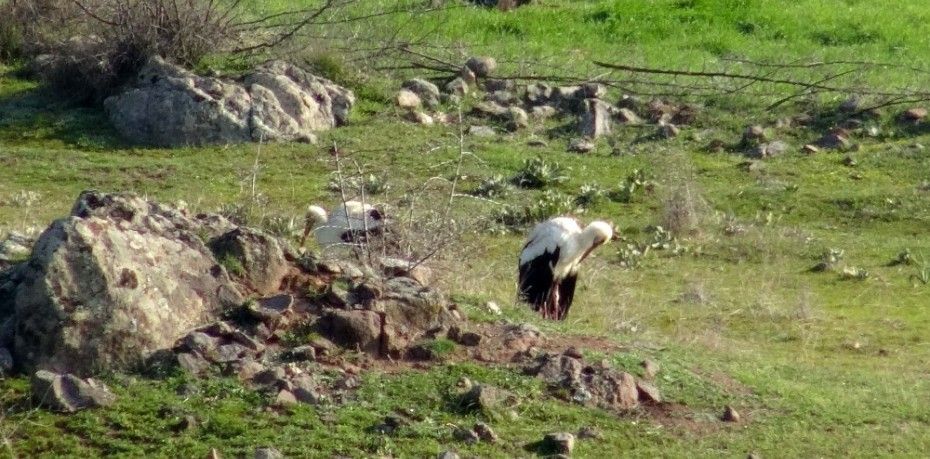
(349, 222)
(549, 263)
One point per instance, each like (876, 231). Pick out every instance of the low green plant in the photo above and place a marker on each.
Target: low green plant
(232, 264)
(539, 173)
(636, 183)
(829, 259)
(493, 187)
(589, 195)
(551, 203)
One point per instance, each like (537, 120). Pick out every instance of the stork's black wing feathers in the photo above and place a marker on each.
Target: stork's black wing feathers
(536, 278)
(566, 294)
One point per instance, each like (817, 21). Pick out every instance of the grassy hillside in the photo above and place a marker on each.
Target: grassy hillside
(819, 364)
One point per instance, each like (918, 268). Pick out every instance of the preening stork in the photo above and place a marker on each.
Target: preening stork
(549, 263)
(349, 222)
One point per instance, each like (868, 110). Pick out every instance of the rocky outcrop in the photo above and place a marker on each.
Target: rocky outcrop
(258, 256)
(169, 106)
(118, 279)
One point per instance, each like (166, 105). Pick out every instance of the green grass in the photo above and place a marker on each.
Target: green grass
(820, 365)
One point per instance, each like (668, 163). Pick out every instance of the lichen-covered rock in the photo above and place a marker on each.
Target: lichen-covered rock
(595, 119)
(426, 91)
(259, 256)
(117, 280)
(68, 393)
(169, 106)
(356, 329)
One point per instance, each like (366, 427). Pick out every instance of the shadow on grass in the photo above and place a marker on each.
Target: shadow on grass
(37, 113)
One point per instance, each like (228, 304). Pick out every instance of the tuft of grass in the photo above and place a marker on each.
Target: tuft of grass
(539, 173)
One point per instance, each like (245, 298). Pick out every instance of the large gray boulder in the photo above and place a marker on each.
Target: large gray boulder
(117, 280)
(170, 106)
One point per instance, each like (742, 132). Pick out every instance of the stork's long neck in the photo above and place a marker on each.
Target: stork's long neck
(587, 241)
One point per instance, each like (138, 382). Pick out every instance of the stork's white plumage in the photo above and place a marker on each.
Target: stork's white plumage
(348, 223)
(549, 262)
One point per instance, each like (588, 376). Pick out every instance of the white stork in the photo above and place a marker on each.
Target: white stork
(549, 262)
(348, 223)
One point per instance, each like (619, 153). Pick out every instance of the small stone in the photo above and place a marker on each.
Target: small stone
(465, 435)
(419, 117)
(543, 111)
(581, 145)
(849, 161)
(648, 392)
(627, 116)
(836, 138)
(593, 90)
(482, 397)
(426, 91)
(754, 134)
(517, 118)
(447, 455)
(493, 307)
(186, 423)
(810, 149)
(457, 86)
(485, 433)
(248, 369)
(482, 66)
(68, 393)
(200, 342)
(538, 94)
(269, 376)
(214, 454)
(573, 352)
(595, 119)
(285, 398)
(268, 453)
(753, 456)
(730, 414)
(502, 97)
(914, 115)
(227, 353)
(650, 368)
(588, 432)
(481, 131)
(305, 352)
(537, 143)
(191, 363)
(407, 99)
(559, 442)
(668, 131)
(770, 149)
(470, 339)
(630, 102)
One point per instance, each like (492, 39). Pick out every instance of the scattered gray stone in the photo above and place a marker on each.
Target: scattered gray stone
(836, 138)
(573, 352)
(469, 339)
(214, 454)
(580, 145)
(492, 306)
(730, 414)
(269, 376)
(482, 66)
(285, 398)
(492, 85)
(481, 131)
(406, 98)
(490, 109)
(559, 442)
(767, 150)
(595, 119)
(468, 76)
(427, 92)
(517, 118)
(200, 342)
(593, 90)
(68, 393)
(850, 105)
(447, 455)
(457, 86)
(543, 111)
(810, 149)
(465, 435)
(754, 134)
(268, 453)
(668, 131)
(15, 246)
(502, 97)
(538, 94)
(482, 397)
(248, 368)
(914, 115)
(304, 352)
(627, 116)
(485, 433)
(419, 117)
(648, 392)
(650, 368)
(192, 363)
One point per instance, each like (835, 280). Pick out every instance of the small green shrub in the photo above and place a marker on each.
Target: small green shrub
(492, 187)
(539, 173)
(590, 195)
(518, 218)
(636, 183)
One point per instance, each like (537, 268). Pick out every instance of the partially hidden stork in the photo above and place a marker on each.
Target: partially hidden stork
(348, 223)
(549, 263)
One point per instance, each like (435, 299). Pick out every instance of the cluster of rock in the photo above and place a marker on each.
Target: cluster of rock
(513, 105)
(592, 385)
(124, 282)
(167, 105)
